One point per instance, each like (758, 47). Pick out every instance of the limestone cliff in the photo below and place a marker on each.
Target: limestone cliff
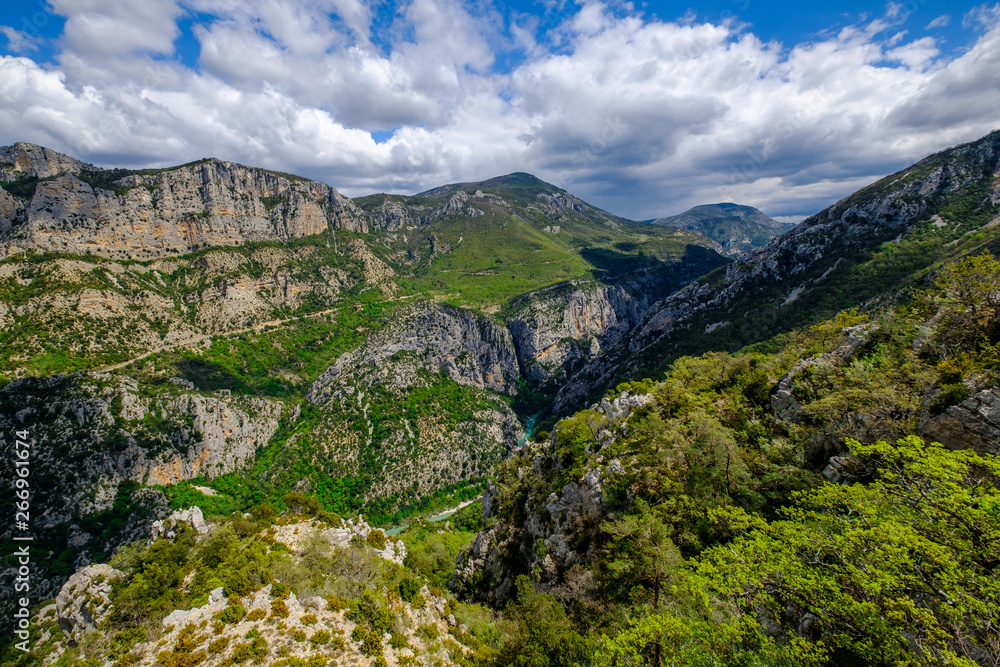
(151, 213)
(417, 405)
(92, 433)
(814, 257)
(469, 349)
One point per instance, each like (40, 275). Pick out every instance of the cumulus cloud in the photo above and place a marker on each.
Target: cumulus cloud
(641, 116)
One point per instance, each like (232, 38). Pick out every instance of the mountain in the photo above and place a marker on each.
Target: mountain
(226, 335)
(734, 227)
(866, 249)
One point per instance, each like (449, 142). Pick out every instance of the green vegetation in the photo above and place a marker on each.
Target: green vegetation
(722, 546)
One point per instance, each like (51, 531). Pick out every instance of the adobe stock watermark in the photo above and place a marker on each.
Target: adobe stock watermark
(22, 535)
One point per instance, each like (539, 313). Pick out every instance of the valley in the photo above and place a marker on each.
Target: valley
(638, 425)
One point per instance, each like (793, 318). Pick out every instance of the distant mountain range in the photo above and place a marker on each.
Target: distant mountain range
(734, 227)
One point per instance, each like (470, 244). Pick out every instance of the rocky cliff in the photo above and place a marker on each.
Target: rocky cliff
(800, 274)
(92, 433)
(428, 337)
(67, 206)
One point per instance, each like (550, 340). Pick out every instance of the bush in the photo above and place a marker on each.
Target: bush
(234, 613)
(256, 615)
(371, 642)
(320, 637)
(376, 539)
(408, 589)
(428, 632)
(279, 609)
(369, 611)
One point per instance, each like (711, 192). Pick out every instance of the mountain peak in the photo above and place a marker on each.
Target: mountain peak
(735, 227)
(24, 159)
(517, 180)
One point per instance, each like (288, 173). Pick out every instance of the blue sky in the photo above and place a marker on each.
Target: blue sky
(642, 108)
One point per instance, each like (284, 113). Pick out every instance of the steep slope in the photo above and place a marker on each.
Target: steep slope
(52, 202)
(718, 492)
(870, 245)
(735, 228)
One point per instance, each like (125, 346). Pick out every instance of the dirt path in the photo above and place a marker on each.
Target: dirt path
(197, 340)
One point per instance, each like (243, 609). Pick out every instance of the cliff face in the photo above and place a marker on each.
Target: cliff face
(149, 213)
(431, 338)
(557, 330)
(23, 160)
(948, 192)
(417, 405)
(91, 433)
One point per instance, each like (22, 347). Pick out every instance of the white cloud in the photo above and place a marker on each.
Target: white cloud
(940, 22)
(640, 116)
(18, 41)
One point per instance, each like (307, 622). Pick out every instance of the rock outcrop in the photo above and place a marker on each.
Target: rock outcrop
(557, 531)
(85, 600)
(153, 213)
(972, 424)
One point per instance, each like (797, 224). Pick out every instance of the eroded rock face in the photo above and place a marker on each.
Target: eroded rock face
(91, 433)
(24, 159)
(85, 600)
(145, 216)
(429, 337)
(558, 329)
(972, 424)
(797, 262)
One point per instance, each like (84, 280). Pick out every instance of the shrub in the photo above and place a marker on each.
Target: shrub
(279, 609)
(376, 539)
(320, 637)
(256, 615)
(234, 613)
(255, 650)
(370, 611)
(218, 645)
(427, 632)
(408, 589)
(371, 642)
(308, 619)
(336, 603)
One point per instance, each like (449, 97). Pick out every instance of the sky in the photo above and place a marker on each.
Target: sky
(644, 109)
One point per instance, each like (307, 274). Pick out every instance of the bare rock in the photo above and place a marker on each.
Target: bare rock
(84, 601)
(972, 424)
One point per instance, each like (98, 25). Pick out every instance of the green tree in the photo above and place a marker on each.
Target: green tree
(540, 634)
(901, 571)
(971, 291)
(640, 552)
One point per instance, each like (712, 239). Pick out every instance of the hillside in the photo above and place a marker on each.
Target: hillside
(866, 249)
(780, 505)
(386, 359)
(735, 228)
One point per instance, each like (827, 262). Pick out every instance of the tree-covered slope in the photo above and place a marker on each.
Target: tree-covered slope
(879, 242)
(686, 521)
